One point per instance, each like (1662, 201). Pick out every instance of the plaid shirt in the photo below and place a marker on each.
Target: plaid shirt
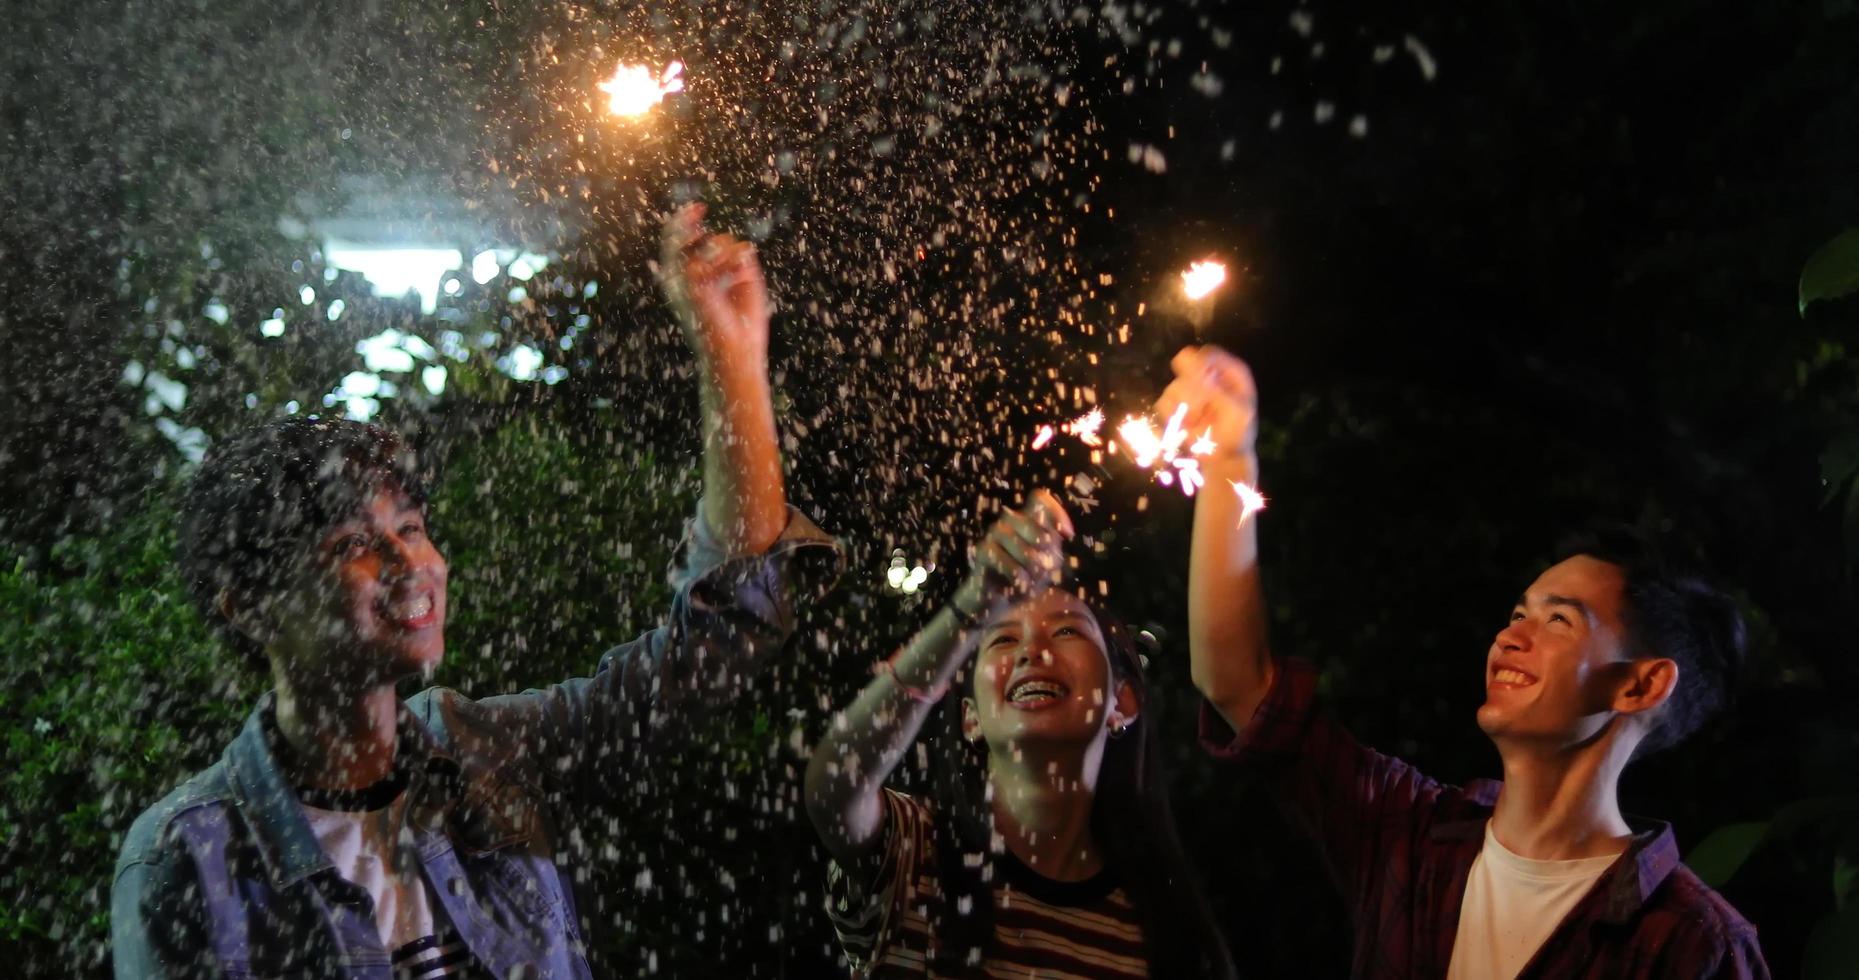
(1401, 846)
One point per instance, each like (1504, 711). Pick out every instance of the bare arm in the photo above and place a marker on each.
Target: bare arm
(1227, 646)
(714, 283)
(864, 743)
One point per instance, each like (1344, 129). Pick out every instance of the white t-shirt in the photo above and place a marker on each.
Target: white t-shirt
(1511, 905)
(372, 849)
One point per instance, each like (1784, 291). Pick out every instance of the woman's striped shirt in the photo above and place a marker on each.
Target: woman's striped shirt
(1045, 929)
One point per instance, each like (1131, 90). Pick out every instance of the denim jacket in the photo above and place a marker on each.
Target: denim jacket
(224, 878)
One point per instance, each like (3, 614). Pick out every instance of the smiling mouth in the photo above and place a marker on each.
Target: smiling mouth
(1032, 694)
(1510, 677)
(415, 612)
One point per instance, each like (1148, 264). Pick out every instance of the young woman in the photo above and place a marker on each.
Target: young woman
(1047, 849)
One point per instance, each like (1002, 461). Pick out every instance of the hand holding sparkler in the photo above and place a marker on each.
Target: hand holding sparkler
(715, 283)
(1220, 398)
(1213, 393)
(1022, 555)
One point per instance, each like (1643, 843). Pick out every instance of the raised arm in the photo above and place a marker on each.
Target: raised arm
(1021, 554)
(714, 283)
(1230, 659)
(744, 564)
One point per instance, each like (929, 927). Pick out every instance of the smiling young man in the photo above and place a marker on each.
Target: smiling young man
(348, 833)
(1611, 653)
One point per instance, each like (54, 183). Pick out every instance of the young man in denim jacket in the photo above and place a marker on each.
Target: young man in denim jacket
(348, 833)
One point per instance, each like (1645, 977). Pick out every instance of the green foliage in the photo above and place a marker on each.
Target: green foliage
(1833, 271)
(113, 692)
(110, 694)
(1717, 857)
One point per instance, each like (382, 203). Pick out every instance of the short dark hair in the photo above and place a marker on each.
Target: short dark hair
(262, 494)
(1671, 609)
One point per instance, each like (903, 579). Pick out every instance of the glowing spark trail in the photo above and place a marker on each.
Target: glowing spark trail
(1202, 278)
(1251, 501)
(1173, 463)
(633, 90)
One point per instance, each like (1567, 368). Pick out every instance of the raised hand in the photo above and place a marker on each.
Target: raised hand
(714, 283)
(1022, 555)
(1219, 392)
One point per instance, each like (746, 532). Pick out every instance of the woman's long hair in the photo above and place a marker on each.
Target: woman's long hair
(1130, 818)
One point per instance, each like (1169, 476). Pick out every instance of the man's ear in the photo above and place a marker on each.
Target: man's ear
(971, 720)
(1126, 707)
(1650, 682)
(245, 617)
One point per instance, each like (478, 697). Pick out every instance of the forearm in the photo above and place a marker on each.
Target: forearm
(745, 503)
(866, 741)
(1227, 627)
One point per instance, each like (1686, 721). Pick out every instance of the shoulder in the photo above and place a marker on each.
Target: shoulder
(152, 836)
(1700, 925)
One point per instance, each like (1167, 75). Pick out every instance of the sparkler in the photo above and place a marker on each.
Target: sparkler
(1251, 501)
(634, 89)
(1162, 453)
(1198, 284)
(1202, 278)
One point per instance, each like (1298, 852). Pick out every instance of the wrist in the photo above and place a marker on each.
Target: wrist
(732, 373)
(967, 617)
(1241, 465)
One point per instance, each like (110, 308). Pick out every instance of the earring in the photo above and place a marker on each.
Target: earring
(1118, 731)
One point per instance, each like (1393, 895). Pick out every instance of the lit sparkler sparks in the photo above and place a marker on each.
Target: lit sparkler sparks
(1085, 427)
(1164, 453)
(1251, 501)
(634, 90)
(1202, 278)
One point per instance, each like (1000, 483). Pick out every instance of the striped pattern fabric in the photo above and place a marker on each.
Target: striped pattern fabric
(1043, 929)
(432, 957)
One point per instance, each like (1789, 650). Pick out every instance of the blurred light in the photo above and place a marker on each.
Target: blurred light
(517, 295)
(216, 311)
(1202, 278)
(633, 91)
(191, 442)
(418, 347)
(527, 265)
(335, 309)
(434, 378)
(521, 363)
(383, 352)
(273, 327)
(396, 272)
(358, 384)
(903, 577)
(484, 266)
(307, 295)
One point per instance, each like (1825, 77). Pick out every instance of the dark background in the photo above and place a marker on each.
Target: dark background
(1555, 282)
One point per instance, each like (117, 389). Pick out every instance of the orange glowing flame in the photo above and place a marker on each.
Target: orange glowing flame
(634, 90)
(1202, 278)
(1251, 501)
(1042, 437)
